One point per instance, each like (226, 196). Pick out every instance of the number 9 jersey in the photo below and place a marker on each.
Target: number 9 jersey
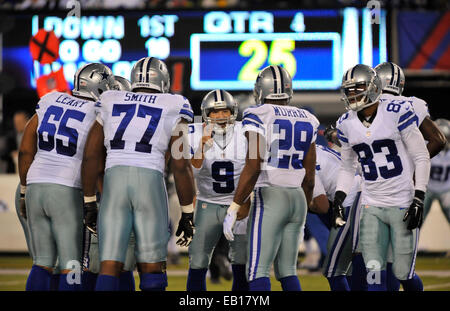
(218, 177)
(381, 150)
(64, 122)
(289, 132)
(138, 126)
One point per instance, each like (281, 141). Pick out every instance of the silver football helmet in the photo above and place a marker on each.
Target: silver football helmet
(444, 126)
(122, 84)
(150, 73)
(392, 77)
(92, 80)
(361, 87)
(219, 99)
(273, 82)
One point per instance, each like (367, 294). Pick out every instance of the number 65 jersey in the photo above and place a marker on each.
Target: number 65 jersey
(386, 164)
(64, 122)
(138, 126)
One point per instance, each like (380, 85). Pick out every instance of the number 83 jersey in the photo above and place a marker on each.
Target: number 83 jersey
(386, 165)
(218, 177)
(64, 122)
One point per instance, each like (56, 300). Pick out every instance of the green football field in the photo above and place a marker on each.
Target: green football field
(434, 272)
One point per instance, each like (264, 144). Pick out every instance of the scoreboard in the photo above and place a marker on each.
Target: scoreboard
(209, 49)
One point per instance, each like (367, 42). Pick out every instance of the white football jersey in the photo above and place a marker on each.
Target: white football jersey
(385, 163)
(64, 122)
(222, 165)
(440, 172)
(289, 132)
(419, 105)
(328, 163)
(138, 126)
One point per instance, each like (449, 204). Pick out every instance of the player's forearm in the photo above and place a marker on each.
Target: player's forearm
(247, 181)
(89, 175)
(199, 155)
(27, 149)
(434, 147)
(25, 160)
(184, 183)
(308, 188)
(436, 139)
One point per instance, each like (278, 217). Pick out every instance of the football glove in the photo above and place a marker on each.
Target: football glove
(414, 214)
(338, 209)
(90, 216)
(230, 220)
(185, 226)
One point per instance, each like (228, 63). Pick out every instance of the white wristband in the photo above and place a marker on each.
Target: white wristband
(90, 199)
(23, 189)
(187, 208)
(234, 207)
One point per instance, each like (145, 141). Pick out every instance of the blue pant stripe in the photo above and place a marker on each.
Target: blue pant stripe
(330, 265)
(251, 234)
(356, 212)
(256, 235)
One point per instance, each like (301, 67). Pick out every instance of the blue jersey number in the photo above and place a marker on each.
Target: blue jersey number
(47, 130)
(223, 172)
(299, 136)
(129, 109)
(365, 156)
(439, 173)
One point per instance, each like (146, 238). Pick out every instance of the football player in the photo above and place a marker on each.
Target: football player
(137, 129)
(280, 162)
(219, 157)
(384, 138)
(439, 185)
(91, 260)
(342, 240)
(49, 164)
(393, 84)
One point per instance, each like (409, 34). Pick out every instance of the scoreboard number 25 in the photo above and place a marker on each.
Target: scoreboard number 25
(279, 53)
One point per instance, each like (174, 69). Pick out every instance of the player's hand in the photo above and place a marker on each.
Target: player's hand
(90, 216)
(338, 210)
(230, 220)
(185, 226)
(414, 214)
(207, 141)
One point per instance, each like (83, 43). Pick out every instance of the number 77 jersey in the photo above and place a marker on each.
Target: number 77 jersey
(386, 166)
(138, 126)
(288, 132)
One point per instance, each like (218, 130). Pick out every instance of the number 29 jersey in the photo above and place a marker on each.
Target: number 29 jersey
(386, 165)
(138, 126)
(289, 132)
(218, 177)
(64, 122)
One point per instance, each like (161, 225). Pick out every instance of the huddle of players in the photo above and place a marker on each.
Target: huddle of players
(255, 180)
